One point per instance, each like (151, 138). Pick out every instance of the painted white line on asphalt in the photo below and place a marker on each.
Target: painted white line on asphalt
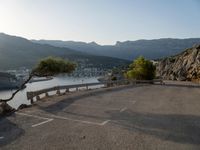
(38, 117)
(63, 118)
(123, 109)
(34, 116)
(41, 123)
(77, 120)
(1, 137)
(105, 122)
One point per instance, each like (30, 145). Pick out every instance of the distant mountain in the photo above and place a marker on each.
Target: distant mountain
(151, 49)
(19, 52)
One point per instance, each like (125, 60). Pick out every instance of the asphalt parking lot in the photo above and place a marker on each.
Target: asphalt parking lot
(128, 117)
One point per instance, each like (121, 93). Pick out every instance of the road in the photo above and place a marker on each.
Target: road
(142, 117)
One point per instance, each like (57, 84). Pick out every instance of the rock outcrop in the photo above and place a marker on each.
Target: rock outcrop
(183, 67)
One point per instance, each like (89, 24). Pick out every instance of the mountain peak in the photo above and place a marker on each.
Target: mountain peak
(93, 43)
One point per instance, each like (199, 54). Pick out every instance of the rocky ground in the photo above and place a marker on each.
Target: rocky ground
(182, 67)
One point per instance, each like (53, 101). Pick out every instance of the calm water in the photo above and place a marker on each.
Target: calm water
(21, 98)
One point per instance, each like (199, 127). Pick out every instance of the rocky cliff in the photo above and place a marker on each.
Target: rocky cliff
(183, 67)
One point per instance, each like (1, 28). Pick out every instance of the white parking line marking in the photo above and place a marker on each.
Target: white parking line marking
(38, 117)
(63, 118)
(38, 124)
(105, 122)
(1, 137)
(23, 114)
(123, 109)
(77, 120)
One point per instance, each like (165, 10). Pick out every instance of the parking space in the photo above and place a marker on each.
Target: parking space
(83, 109)
(129, 117)
(32, 120)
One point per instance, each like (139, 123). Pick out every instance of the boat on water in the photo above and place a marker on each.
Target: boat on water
(9, 81)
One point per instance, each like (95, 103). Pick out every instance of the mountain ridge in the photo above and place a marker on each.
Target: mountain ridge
(151, 49)
(20, 52)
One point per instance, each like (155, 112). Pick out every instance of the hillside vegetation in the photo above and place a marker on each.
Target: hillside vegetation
(19, 52)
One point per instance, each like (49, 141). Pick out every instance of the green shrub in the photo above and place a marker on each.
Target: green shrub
(141, 69)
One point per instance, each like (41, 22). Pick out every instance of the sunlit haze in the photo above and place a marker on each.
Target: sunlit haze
(102, 21)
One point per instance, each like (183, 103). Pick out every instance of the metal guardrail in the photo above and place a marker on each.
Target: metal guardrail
(32, 94)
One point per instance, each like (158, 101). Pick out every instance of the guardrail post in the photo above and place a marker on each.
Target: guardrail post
(30, 96)
(37, 97)
(110, 83)
(107, 84)
(117, 83)
(31, 100)
(132, 82)
(58, 92)
(67, 90)
(46, 94)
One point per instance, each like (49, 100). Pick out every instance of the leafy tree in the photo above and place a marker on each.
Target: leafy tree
(141, 69)
(49, 66)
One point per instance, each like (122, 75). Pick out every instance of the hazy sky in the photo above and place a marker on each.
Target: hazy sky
(103, 21)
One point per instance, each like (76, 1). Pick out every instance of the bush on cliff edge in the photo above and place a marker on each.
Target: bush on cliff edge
(141, 69)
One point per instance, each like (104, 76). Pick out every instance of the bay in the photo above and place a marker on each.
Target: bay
(21, 98)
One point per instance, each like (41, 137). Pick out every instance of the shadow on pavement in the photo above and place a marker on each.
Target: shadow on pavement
(59, 106)
(171, 127)
(8, 131)
(182, 85)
